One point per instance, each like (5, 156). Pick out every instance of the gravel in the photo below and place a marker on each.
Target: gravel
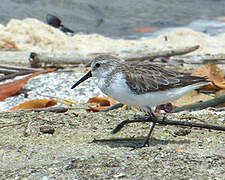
(56, 85)
(68, 153)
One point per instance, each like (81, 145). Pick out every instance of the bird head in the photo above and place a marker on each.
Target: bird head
(101, 66)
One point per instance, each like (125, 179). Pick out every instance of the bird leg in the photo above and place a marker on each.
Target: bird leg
(155, 119)
(146, 141)
(123, 123)
(151, 116)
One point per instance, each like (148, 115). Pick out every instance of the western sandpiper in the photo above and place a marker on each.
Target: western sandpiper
(141, 85)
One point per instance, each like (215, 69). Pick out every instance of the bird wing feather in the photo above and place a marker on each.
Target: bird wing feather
(142, 78)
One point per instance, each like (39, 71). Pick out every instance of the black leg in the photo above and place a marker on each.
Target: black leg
(123, 123)
(136, 120)
(146, 141)
(151, 116)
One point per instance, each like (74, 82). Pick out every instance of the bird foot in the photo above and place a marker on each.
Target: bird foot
(146, 143)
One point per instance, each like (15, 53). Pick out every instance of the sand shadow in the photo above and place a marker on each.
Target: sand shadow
(131, 142)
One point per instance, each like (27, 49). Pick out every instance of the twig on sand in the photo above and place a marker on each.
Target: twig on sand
(19, 68)
(13, 71)
(13, 124)
(12, 75)
(167, 122)
(115, 106)
(7, 71)
(48, 109)
(202, 105)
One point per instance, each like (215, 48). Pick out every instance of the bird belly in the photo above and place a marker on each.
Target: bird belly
(120, 91)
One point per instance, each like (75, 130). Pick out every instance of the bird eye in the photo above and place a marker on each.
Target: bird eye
(97, 65)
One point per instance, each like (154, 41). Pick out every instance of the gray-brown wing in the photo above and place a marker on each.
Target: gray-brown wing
(143, 78)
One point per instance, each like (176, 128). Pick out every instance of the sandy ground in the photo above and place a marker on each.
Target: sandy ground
(69, 153)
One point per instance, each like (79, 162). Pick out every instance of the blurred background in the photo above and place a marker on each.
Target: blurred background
(128, 19)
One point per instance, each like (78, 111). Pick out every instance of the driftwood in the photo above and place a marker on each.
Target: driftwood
(7, 71)
(12, 75)
(19, 68)
(15, 57)
(36, 59)
(76, 59)
(135, 54)
(130, 55)
(139, 56)
(13, 71)
(167, 53)
(200, 59)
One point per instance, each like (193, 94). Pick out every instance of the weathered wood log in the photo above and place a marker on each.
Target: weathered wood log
(130, 55)
(76, 59)
(14, 57)
(135, 54)
(200, 59)
(167, 53)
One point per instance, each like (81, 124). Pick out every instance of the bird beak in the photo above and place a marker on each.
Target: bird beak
(85, 77)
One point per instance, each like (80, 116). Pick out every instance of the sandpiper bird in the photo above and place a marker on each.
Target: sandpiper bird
(140, 85)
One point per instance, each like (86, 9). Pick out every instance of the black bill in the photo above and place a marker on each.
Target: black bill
(86, 76)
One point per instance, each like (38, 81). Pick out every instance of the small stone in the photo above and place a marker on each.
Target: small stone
(47, 129)
(120, 175)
